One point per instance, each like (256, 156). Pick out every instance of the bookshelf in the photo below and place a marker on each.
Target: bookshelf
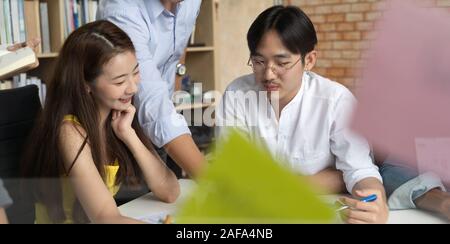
(194, 106)
(51, 21)
(61, 18)
(202, 58)
(201, 61)
(199, 49)
(47, 55)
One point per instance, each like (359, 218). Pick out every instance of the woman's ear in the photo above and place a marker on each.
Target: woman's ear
(310, 60)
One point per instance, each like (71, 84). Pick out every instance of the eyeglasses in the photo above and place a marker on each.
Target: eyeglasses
(260, 66)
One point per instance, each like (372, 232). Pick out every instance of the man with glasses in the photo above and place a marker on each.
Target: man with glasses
(299, 116)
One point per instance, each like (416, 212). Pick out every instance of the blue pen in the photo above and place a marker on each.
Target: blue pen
(370, 198)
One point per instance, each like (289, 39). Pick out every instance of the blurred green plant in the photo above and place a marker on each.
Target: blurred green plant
(244, 185)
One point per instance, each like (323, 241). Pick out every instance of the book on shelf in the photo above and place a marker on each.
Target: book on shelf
(45, 28)
(11, 62)
(22, 29)
(12, 21)
(78, 13)
(33, 21)
(5, 85)
(93, 6)
(7, 22)
(193, 42)
(192, 38)
(2, 24)
(15, 20)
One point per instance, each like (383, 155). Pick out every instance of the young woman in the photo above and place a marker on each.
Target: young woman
(160, 30)
(87, 140)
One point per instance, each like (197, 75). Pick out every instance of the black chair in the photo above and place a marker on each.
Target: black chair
(18, 110)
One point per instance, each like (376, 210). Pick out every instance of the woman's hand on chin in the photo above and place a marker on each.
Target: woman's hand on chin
(121, 123)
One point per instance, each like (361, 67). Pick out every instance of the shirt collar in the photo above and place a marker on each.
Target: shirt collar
(299, 94)
(156, 8)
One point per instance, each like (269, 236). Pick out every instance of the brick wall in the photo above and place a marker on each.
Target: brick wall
(345, 29)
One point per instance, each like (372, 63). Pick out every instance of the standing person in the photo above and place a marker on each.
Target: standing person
(160, 30)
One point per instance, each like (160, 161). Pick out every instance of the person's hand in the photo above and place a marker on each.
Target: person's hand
(121, 123)
(376, 212)
(33, 44)
(445, 208)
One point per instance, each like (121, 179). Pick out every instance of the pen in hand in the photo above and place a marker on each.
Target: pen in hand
(370, 198)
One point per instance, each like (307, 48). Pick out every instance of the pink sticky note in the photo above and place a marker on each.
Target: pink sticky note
(404, 100)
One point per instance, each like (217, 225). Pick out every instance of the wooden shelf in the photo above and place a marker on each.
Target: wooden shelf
(199, 49)
(47, 55)
(189, 49)
(201, 61)
(194, 106)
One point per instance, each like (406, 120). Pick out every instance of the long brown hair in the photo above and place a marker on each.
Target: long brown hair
(80, 62)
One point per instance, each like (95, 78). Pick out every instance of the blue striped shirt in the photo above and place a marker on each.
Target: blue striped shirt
(160, 38)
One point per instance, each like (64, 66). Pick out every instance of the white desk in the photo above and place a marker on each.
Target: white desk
(148, 205)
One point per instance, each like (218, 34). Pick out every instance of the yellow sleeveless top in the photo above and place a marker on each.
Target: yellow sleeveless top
(68, 194)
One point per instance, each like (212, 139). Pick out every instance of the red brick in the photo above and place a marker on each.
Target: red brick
(341, 8)
(351, 36)
(325, 45)
(364, 26)
(327, 27)
(316, 19)
(351, 54)
(372, 16)
(354, 17)
(336, 72)
(343, 45)
(333, 36)
(323, 63)
(345, 27)
(342, 63)
(361, 7)
(335, 18)
(332, 54)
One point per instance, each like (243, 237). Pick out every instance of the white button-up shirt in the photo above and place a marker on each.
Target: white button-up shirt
(311, 133)
(160, 38)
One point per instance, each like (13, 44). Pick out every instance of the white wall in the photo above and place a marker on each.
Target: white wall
(234, 20)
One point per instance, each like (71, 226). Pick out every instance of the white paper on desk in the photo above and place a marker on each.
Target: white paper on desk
(155, 218)
(3, 50)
